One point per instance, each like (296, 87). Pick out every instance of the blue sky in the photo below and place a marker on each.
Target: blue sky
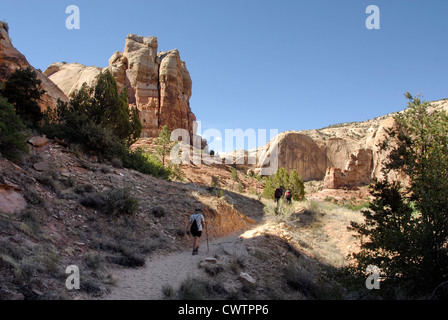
(285, 64)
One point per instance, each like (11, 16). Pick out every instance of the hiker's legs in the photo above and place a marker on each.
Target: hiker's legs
(196, 243)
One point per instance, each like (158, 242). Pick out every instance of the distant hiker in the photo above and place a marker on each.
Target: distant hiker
(278, 195)
(288, 196)
(195, 227)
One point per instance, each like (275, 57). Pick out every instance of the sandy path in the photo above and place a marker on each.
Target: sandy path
(146, 283)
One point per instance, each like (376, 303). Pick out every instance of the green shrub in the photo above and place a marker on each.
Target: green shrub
(12, 136)
(5, 25)
(119, 201)
(22, 89)
(128, 259)
(299, 279)
(290, 181)
(158, 211)
(145, 163)
(93, 200)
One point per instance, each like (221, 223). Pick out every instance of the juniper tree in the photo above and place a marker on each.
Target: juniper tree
(406, 227)
(163, 143)
(12, 136)
(23, 91)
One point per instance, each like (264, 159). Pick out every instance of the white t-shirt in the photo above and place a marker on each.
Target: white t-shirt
(199, 219)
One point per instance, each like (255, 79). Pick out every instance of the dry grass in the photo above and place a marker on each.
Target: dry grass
(320, 228)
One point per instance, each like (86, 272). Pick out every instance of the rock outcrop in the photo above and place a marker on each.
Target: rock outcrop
(70, 77)
(11, 59)
(158, 84)
(346, 155)
(357, 172)
(293, 150)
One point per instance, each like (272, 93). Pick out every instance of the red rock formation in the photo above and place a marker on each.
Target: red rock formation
(356, 173)
(158, 84)
(11, 59)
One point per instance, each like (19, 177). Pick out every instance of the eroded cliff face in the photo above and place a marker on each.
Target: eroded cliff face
(159, 84)
(344, 156)
(11, 59)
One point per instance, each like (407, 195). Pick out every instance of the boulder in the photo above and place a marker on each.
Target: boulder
(247, 279)
(233, 249)
(38, 141)
(11, 201)
(41, 166)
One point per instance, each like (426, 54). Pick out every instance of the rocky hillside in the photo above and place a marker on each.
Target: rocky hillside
(56, 210)
(158, 83)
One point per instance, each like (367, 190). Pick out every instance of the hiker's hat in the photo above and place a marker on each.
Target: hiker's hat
(198, 210)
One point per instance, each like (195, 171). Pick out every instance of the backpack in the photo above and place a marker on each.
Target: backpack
(278, 193)
(194, 226)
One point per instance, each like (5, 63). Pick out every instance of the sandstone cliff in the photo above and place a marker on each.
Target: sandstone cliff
(11, 59)
(344, 155)
(159, 84)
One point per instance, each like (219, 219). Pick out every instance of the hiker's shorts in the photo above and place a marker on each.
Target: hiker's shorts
(197, 234)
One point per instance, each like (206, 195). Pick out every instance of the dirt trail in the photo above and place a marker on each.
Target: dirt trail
(146, 283)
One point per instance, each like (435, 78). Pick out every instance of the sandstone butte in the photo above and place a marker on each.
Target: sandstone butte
(158, 84)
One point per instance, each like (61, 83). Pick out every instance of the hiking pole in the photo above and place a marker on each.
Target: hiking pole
(206, 235)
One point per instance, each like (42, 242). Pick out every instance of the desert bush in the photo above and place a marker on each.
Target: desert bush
(192, 289)
(158, 211)
(196, 289)
(33, 197)
(12, 132)
(213, 269)
(299, 279)
(119, 201)
(90, 285)
(117, 163)
(5, 25)
(95, 262)
(85, 188)
(145, 163)
(168, 292)
(93, 200)
(128, 258)
(215, 182)
(31, 222)
(22, 89)
(290, 181)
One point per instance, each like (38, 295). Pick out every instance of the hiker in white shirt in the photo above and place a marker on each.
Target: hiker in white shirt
(195, 227)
